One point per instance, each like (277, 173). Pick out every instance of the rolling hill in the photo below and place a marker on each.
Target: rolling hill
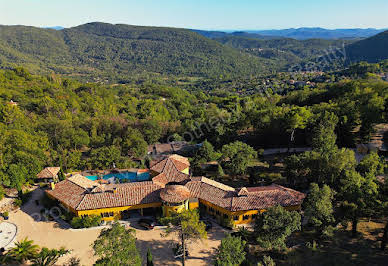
(284, 51)
(372, 50)
(120, 51)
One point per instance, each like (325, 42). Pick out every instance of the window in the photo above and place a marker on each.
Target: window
(235, 218)
(217, 212)
(246, 217)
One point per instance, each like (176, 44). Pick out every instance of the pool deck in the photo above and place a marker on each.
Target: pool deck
(108, 171)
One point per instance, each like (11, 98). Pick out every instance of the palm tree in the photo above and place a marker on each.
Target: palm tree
(48, 257)
(23, 251)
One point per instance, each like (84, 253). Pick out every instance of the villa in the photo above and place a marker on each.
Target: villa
(171, 188)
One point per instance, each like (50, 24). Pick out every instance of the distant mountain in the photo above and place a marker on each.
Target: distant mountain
(220, 34)
(121, 51)
(319, 33)
(55, 28)
(284, 51)
(372, 50)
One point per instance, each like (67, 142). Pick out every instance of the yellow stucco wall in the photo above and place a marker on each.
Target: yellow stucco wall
(116, 211)
(231, 215)
(250, 215)
(240, 214)
(167, 210)
(185, 171)
(193, 205)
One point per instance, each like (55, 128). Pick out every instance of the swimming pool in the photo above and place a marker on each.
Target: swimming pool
(124, 176)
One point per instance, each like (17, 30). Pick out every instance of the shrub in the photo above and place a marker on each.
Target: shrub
(18, 202)
(267, 261)
(67, 216)
(2, 192)
(226, 222)
(86, 221)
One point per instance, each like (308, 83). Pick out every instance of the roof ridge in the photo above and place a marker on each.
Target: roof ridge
(173, 163)
(79, 203)
(291, 193)
(217, 184)
(75, 183)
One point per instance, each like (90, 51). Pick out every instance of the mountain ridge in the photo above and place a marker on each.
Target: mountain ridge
(106, 49)
(303, 33)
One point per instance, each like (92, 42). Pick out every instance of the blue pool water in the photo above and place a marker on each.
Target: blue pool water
(130, 176)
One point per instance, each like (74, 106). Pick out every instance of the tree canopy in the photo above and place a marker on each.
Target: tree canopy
(274, 226)
(116, 246)
(230, 252)
(186, 226)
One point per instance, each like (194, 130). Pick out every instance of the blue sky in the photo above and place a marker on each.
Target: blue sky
(199, 14)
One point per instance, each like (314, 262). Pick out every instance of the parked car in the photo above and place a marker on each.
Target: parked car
(146, 223)
(208, 224)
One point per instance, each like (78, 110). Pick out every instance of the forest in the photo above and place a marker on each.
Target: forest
(50, 120)
(125, 54)
(59, 121)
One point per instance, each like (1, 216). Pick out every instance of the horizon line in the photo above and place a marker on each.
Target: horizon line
(205, 29)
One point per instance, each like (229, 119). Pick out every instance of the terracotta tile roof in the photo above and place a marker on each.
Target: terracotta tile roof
(178, 162)
(81, 193)
(216, 195)
(243, 192)
(68, 193)
(195, 187)
(175, 193)
(119, 195)
(171, 168)
(49, 172)
(269, 196)
(255, 198)
(183, 161)
(216, 184)
(160, 179)
(83, 182)
(104, 196)
(211, 191)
